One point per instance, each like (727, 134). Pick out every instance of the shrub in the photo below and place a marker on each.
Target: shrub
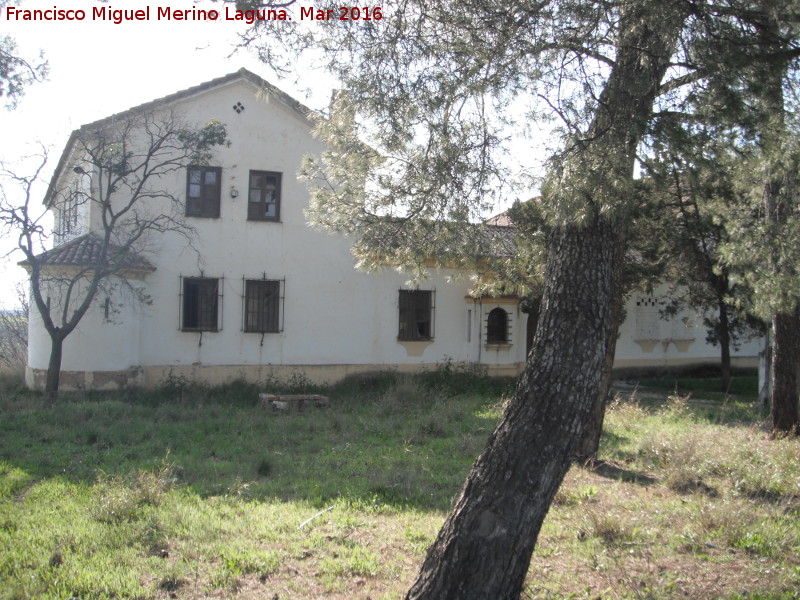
(122, 498)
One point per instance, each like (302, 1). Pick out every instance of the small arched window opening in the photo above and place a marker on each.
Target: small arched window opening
(497, 327)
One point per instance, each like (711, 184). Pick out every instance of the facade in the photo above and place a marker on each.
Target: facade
(259, 294)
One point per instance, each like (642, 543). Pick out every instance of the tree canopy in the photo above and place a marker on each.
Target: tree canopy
(434, 91)
(16, 72)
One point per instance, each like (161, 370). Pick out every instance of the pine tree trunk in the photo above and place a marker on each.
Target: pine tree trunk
(779, 206)
(485, 546)
(786, 372)
(589, 444)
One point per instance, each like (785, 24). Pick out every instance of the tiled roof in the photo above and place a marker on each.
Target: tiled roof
(85, 251)
(500, 239)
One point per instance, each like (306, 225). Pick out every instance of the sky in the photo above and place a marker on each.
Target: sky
(98, 68)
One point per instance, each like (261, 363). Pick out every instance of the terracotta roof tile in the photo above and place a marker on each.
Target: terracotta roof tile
(85, 251)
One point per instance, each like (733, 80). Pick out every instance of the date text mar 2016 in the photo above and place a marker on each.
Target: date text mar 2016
(342, 13)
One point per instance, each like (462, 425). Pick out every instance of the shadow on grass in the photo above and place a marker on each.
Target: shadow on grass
(614, 470)
(384, 440)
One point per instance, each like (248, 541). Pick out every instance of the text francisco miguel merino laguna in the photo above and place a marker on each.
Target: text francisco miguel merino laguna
(165, 13)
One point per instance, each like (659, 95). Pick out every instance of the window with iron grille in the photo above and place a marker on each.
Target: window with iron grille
(262, 305)
(200, 304)
(416, 315)
(497, 327)
(203, 190)
(67, 220)
(264, 197)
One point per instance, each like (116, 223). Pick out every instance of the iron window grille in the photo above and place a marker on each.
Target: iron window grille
(416, 308)
(262, 305)
(497, 327)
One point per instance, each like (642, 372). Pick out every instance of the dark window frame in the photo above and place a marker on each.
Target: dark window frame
(205, 201)
(416, 310)
(266, 316)
(257, 210)
(200, 303)
(497, 326)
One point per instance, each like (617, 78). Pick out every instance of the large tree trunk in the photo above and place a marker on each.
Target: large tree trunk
(589, 444)
(786, 372)
(484, 548)
(779, 205)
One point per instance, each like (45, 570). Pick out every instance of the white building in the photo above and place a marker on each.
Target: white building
(260, 294)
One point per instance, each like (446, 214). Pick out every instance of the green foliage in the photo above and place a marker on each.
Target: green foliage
(425, 138)
(16, 72)
(203, 141)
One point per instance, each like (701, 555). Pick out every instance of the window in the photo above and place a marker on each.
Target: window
(200, 302)
(416, 315)
(66, 222)
(203, 185)
(264, 197)
(262, 303)
(497, 327)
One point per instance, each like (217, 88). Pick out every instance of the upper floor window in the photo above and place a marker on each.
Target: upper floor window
(416, 315)
(262, 305)
(497, 327)
(203, 188)
(200, 304)
(264, 197)
(66, 220)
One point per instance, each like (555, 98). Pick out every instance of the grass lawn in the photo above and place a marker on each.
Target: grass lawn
(190, 492)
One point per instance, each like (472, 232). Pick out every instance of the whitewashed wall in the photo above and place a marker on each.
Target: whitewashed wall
(646, 339)
(336, 320)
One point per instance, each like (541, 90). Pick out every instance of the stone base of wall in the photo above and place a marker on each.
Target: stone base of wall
(87, 380)
(154, 376)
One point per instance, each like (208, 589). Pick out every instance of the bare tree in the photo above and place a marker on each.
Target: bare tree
(14, 332)
(111, 196)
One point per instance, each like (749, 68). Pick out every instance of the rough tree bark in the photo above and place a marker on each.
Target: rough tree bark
(779, 208)
(589, 444)
(484, 547)
(785, 372)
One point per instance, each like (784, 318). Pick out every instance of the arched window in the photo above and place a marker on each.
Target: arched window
(497, 327)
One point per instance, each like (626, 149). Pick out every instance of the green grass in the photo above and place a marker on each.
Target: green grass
(194, 492)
